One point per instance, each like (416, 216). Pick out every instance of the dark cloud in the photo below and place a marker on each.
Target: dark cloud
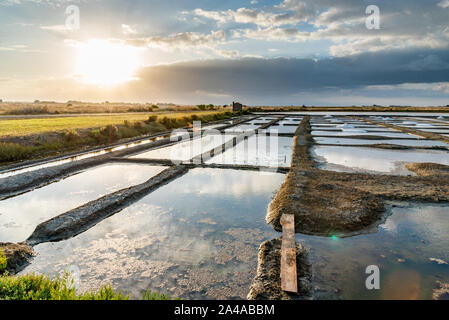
(253, 77)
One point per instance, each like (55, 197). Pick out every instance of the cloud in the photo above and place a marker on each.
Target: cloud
(128, 30)
(187, 41)
(244, 15)
(444, 4)
(396, 77)
(404, 24)
(58, 29)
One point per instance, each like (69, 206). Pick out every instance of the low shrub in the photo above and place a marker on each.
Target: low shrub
(3, 262)
(40, 287)
(14, 152)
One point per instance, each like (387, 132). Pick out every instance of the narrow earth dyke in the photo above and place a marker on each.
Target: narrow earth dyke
(267, 283)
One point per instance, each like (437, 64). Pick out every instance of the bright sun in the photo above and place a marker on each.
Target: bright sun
(101, 62)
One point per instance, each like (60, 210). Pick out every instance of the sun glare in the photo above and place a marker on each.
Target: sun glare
(101, 62)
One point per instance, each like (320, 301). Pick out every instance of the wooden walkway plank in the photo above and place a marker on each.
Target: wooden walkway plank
(289, 279)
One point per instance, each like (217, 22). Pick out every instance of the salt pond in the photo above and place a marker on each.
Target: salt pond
(270, 151)
(360, 159)
(196, 237)
(20, 215)
(410, 249)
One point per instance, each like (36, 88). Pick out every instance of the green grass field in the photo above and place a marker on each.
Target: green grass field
(23, 127)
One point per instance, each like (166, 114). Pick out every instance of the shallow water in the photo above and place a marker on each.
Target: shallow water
(361, 159)
(401, 142)
(356, 133)
(258, 150)
(196, 237)
(405, 249)
(79, 157)
(184, 151)
(20, 215)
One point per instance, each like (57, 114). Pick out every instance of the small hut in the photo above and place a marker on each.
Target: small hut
(236, 106)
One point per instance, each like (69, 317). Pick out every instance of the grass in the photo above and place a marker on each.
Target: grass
(70, 139)
(23, 127)
(3, 262)
(40, 287)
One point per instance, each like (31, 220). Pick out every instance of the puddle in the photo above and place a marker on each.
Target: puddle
(409, 250)
(20, 215)
(258, 150)
(195, 242)
(401, 142)
(360, 159)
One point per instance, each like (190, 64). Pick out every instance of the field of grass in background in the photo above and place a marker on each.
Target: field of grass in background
(22, 127)
(66, 135)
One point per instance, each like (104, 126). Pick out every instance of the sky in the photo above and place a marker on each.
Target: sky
(284, 52)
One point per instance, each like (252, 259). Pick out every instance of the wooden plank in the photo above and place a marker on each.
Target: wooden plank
(289, 279)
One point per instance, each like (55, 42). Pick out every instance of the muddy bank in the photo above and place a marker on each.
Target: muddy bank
(428, 169)
(18, 256)
(330, 203)
(78, 220)
(267, 283)
(385, 146)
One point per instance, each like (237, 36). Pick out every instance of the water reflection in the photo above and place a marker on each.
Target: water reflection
(184, 151)
(258, 150)
(20, 215)
(401, 142)
(377, 160)
(406, 249)
(189, 238)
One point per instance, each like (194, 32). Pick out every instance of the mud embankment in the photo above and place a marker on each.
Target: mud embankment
(78, 220)
(267, 283)
(330, 203)
(428, 169)
(18, 256)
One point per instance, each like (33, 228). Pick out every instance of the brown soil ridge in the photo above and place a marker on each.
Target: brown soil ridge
(331, 203)
(18, 256)
(267, 283)
(428, 169)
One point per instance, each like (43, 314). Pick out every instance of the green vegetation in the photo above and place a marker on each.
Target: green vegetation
(73, 133)
(40, 287)
(3, 262)
(13, 152)
(206, 107)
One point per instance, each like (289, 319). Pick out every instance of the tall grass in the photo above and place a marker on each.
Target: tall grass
(13, 152)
